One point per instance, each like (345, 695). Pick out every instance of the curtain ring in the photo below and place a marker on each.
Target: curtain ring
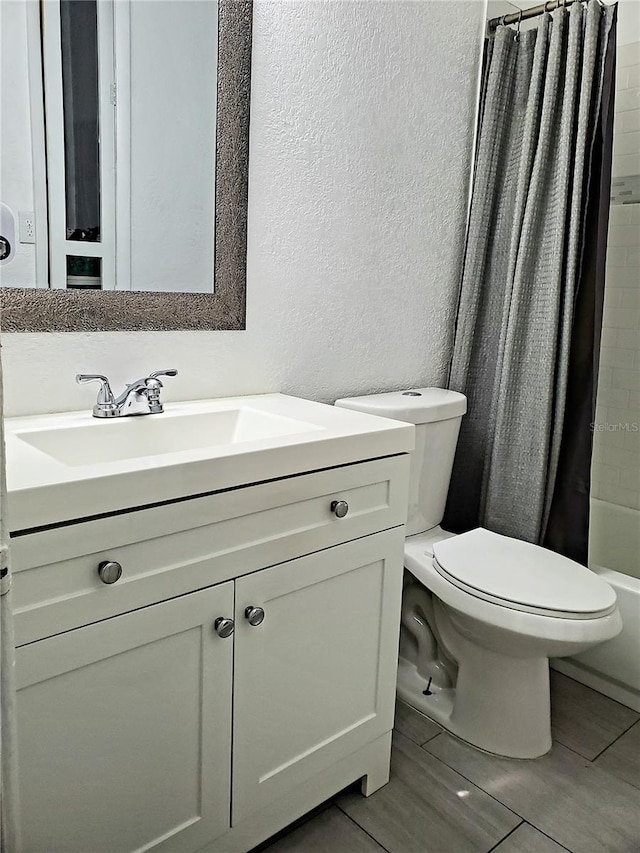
(517, 35)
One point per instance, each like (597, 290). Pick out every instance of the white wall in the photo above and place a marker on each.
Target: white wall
(361, 136)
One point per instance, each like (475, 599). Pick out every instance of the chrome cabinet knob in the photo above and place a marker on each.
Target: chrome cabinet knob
(223, 627)
(109, 571)
(254, 615)
(339, 508)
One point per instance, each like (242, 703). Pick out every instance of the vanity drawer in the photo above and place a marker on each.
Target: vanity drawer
(176, 548)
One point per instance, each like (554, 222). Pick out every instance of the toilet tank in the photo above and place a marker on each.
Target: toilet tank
(437, 414)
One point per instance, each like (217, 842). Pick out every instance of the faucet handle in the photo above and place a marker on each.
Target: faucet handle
(105, 406)
(171, 372)
(153, 386)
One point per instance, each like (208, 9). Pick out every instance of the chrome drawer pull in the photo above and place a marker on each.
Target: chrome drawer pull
(109, 571)
(339, 508)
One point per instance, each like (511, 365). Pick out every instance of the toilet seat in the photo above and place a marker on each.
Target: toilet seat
(520, 576)
(548, 627)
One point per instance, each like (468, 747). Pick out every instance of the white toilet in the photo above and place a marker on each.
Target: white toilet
(481, 613)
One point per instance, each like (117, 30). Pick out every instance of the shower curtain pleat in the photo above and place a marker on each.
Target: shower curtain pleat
(523, 397)
(567, 528)
(487, 258)
(522, 268)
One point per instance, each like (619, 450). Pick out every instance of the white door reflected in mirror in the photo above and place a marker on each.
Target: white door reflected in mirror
(130, 100)
(173, 132)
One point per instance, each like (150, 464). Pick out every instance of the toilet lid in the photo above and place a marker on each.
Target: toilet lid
(518, 574)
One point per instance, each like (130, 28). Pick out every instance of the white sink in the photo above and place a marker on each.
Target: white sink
(155, 435)
(71, 465)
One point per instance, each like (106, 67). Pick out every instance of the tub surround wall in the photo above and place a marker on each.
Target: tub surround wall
(616, 465)
(614, 539)
(613, 668)
(358, 185)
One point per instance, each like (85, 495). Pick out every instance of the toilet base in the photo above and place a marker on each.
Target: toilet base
(506, 711)
(410, 688)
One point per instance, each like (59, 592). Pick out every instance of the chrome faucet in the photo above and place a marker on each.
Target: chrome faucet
(141, 397)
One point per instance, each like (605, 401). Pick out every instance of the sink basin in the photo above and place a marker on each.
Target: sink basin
(103, 441)
(66, 466)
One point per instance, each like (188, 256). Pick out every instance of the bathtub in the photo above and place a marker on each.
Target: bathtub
(613, 668)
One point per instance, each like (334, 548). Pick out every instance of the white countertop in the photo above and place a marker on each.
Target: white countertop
(44, 490)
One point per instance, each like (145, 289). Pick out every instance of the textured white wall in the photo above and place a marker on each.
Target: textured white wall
(361, 137)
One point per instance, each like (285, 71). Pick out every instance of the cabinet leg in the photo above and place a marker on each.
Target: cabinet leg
(378, 771)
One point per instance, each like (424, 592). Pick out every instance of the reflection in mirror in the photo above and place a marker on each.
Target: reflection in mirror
(130, 100)
(139, 121)
(173, 54)
(79, 54)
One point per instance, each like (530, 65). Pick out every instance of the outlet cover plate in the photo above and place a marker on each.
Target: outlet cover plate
(27, 226)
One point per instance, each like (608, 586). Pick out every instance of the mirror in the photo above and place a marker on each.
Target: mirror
(147, 117)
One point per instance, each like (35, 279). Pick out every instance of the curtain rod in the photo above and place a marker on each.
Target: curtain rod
(529, 13)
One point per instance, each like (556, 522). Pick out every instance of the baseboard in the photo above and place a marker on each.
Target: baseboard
(613, 689)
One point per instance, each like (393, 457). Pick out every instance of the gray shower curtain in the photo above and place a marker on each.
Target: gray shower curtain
(533, 283)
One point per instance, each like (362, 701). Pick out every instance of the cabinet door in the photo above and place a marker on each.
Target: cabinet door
(125, 731)
(316, 679)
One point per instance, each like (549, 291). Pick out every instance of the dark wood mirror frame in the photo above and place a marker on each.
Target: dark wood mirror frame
(48, 310)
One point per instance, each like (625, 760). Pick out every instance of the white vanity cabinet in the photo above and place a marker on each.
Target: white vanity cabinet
(141, 728)
(316, 679)
(124, 731)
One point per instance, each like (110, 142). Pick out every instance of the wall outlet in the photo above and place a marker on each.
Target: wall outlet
(27, 226)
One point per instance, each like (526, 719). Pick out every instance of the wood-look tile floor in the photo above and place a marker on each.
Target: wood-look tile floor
(446, 797)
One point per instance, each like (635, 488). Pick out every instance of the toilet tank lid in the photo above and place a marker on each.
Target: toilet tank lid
(415, 406)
